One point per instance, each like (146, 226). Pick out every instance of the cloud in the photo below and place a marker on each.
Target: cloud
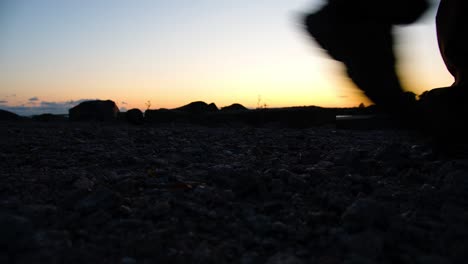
(33, 99)
(45, 107)
(124, 103)
(3, 102)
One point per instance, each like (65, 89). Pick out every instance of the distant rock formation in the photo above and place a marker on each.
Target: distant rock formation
(134, 116)
(97, 110)
(49, 118)
(234, 107)
(198, 107)
(164, 116)
(8, 116)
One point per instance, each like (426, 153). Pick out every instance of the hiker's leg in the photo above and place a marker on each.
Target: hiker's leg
(365, 47)
(371, 65)
(452, 34)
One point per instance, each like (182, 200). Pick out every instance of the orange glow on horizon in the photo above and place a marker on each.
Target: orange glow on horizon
(172, 54)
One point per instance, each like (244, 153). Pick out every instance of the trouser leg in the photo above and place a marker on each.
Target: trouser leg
(366, 49)
(452, 35)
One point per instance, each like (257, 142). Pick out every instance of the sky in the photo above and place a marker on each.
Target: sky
(57, 53)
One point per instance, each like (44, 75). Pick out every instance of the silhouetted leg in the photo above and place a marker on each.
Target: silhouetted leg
(365, 47)
(371, 66)
(446, 108)
(452, 34)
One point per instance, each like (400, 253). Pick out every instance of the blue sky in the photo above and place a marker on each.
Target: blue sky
(172, 52)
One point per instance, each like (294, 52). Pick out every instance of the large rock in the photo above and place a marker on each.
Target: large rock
(8, 116)
(163, 116)
(134, 116)
(198, 107)
(94, 110)
(234, 107)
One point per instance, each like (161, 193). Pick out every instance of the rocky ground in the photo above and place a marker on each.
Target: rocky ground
(103, 193)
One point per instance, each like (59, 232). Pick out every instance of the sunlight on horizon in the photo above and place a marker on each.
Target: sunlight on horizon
(173, 52)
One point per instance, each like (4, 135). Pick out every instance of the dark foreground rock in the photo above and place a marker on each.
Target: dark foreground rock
(134, 116)
(97, 110)
(102, 193)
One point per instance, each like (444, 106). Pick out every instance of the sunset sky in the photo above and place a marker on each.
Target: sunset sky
(55, 53)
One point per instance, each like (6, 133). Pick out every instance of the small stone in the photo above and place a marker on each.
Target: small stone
(98, 219)
(40, 213)
(249, 258)
(368, 244)
(284, 258)
(16, 232)
(125, 210)
(364, 213)
(356, 259)
(158, 210)
(83, 183)
(455, 186)
(433, 260)
(128, 260)
(127, 224)
(99, 199)
(53, 239)
(277, 186)
(279, 227)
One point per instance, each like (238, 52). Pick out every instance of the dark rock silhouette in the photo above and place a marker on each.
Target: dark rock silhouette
(49, 118)
(8, 116)
(292, 117)
(97, 110)
(204, 114)
(198, 107)
(195, 112)
(212, 108)
(234, 107)
(134, 116)
(359, 34)
(164, 116)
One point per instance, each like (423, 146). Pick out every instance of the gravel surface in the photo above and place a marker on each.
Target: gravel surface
(102, 193)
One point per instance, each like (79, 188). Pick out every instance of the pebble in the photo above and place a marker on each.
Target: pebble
(128, 260)
(99, 199)
(284, 258)
(17, 233)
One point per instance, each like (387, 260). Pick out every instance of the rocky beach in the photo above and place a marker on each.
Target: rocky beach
(92, 192)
